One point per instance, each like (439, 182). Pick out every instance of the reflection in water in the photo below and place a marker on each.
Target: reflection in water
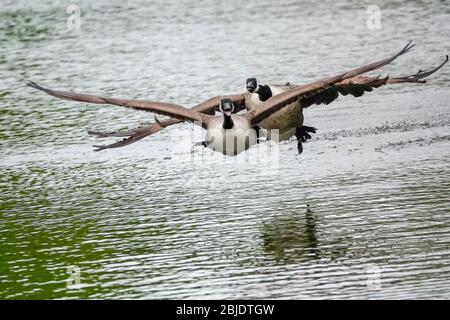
(292, 237)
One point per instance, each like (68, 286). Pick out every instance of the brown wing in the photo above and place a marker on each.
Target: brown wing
(358, 85)
(166, 109)
(302, 92)
(132, 136)
(209, 106)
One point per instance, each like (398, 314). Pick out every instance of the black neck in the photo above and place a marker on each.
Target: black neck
(227, 122)
(264, 92)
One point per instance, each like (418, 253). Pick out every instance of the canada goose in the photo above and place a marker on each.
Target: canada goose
(355, 86)
(222, 129)
(289, 120)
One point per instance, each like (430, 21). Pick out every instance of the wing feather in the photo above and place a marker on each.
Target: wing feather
(209, 106)
(166, 109)
(309, 90)
(359, 85)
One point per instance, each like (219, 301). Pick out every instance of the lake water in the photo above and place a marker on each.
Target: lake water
(364, 212)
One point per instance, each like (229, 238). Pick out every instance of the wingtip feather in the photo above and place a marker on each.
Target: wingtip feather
(409, 46)
(32, 84)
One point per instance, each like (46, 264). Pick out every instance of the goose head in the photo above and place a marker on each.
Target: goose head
(252, 85)
(263, 91)
(227, 107)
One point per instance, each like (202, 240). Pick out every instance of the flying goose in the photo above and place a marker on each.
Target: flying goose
(221, 130)
(257, 94)
(289, 120)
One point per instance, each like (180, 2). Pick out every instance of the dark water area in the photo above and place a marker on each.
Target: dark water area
(362, 213)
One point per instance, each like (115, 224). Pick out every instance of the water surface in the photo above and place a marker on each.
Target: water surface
(362, 213)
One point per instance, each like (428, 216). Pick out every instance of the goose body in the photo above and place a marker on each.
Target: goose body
(285, 120)
(231, 141)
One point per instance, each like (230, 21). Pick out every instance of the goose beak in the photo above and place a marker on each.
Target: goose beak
(226, 106)
(250, 87)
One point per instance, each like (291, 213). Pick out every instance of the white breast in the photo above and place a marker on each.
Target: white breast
(233, 141)
(285, 120)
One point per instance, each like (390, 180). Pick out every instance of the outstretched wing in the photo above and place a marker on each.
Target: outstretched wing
(131, 136)
(166, 109)
(209, 106)
(358, 85)
(302, 92)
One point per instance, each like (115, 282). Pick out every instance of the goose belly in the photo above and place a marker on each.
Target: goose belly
(230, 142)
(285, 120)
(284, 134)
